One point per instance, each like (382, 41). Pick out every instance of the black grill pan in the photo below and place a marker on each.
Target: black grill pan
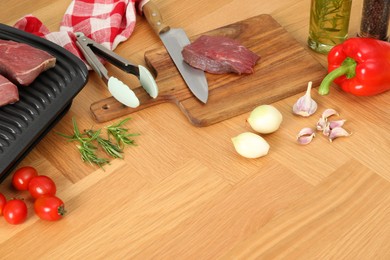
(42, 104)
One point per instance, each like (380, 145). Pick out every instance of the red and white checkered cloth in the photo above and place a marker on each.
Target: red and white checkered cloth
(108, 22)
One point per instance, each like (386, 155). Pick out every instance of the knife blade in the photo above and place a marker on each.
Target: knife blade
(174, 39)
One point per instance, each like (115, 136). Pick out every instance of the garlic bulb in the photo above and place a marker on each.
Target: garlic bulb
(265, 119)
(305, 106)
(250, 145)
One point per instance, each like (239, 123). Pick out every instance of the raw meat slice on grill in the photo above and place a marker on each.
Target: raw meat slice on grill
(219, 55)
(8, 92)
(22, 63)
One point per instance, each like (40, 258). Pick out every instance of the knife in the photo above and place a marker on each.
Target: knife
(174, 40)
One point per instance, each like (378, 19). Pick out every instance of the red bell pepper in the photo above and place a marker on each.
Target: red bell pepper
(361, 66)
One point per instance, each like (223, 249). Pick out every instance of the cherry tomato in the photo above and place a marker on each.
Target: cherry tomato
(22, 177)
(3, 201)
(15, 211)
(49, 208)
(42, 185)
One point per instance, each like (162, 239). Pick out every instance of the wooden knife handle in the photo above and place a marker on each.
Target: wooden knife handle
(154, 18)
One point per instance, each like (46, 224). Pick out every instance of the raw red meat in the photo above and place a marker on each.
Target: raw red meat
(8, 92)
(22, 63)
(218, 55)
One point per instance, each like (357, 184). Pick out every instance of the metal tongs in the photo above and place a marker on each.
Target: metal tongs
(117, 88)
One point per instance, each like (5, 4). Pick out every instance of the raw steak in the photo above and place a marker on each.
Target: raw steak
(8, 92)
(218, 55)
(22, 63)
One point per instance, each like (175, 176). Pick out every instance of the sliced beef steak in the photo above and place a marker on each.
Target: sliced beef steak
(8, 92)
(218, 55)
(22, 63)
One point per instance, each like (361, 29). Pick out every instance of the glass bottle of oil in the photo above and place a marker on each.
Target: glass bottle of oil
(329, 23)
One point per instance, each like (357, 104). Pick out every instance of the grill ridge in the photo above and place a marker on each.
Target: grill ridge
(41, 104)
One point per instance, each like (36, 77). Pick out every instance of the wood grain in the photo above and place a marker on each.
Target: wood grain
(184, 193)
(320, 225)
(284, 70)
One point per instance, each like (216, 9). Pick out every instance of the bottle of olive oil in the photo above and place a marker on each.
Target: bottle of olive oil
(329, 23)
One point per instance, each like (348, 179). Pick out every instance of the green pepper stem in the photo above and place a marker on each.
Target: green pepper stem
(347, 68)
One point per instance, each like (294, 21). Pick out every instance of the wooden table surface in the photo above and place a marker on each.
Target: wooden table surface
(184, 193)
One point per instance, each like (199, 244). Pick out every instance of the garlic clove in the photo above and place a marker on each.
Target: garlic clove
(326, 126)
(250, 145)
(336, 123)
(337, 132)
(321, 124)
(305, 136)
(306, 131)
(326, 130)
(305, 105)
(328, 113)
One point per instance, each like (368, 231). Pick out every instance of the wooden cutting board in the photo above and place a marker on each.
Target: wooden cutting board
(284, 70)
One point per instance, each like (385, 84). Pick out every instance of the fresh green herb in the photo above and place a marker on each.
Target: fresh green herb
(86, 147)
(110, 148)
(87, 139)
(120, 134)
(89, 155)
(329, 19)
